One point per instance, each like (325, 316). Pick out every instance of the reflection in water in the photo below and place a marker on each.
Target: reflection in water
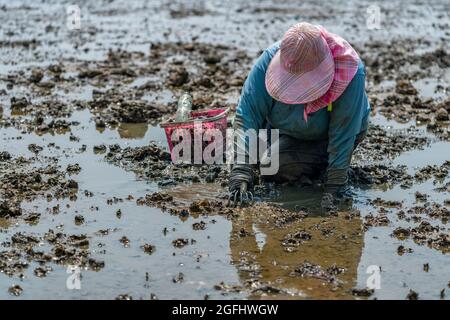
(258, 252)
(127, 130)
(296, 198)
(4, 223)
(196, 191)
(132, 130)
(334, 241)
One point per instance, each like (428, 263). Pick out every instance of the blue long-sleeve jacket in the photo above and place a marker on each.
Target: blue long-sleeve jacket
(348, 118)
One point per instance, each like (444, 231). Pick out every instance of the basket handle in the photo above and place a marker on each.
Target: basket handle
(216, 117)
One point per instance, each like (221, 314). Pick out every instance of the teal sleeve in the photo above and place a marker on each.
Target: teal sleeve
(253, 108)
(346, 121)
(255, 102)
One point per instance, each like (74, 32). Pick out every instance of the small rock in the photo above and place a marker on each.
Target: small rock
(423, 117)
(212, 59)
(19, 103)
(402, 250)
(148, 248)
(35, 148)
(401, 233)
(412, 295)
(199, 225)
(72, 184)
(96, 265)
(441, 115)
(180, 243)
(178, 77)
(100, 123)
(15, 290)
(5, 155)
(362, 292)
(32, 218)
(8, 209)
(73, 168)
(125, 241)
(178, 278)
(46, 84)
(405, 87)
(421, 196)
(100, 149)
(41, 272)
(79, 219)
(36, 75)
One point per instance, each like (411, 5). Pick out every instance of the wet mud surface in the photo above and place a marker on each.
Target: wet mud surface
(87, 186)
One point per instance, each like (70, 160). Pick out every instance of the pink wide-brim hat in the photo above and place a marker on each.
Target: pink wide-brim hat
(312, 67)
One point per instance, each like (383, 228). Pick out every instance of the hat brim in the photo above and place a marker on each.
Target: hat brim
(292, 88)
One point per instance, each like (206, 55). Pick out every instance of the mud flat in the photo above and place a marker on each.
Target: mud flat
(87, 186)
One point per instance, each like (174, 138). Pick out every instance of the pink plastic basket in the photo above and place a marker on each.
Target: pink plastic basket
(210, 119)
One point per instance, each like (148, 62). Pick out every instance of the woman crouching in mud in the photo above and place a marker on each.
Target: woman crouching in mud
(310, 86)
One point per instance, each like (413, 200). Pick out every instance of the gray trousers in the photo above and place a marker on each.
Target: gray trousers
(301, 161)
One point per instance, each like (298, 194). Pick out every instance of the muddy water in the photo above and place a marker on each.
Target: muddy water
(126, 267)
(208, 262)
(221, 252)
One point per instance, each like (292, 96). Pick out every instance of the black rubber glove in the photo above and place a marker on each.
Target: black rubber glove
(336, 182)
(335, 188)
(240, 185)
(328, 202)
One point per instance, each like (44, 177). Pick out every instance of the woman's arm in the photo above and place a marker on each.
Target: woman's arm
(253, 108)
(255, 102)
(346, 121)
